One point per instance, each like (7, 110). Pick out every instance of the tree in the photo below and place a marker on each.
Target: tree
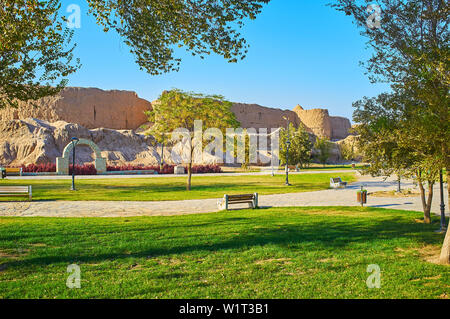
(159, 132)
(381, 130)
(32, 53)
(249, 146)
(152, 28)
(300, 148)
(180, 110)
(347, 151)
(411, 51)
(32, 38)
(323, 145)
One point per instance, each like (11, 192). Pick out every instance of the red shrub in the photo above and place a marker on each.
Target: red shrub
(167, 169)
(39, 168)
(88, 169)
(206, 169)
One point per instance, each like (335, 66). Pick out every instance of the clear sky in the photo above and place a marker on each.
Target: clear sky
(301, 52)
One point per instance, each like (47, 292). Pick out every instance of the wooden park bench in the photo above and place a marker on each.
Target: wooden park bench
(251, 199)
(337, 183)
(10, 171)
(9, 191)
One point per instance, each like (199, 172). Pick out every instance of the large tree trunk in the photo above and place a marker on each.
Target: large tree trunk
(426, 202)
(445, 253)
(429, 202)
(161, 164)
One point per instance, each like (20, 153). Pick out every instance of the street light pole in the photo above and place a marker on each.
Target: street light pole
(288, 144)
(75, 141)
(273, 172)
(443, 226)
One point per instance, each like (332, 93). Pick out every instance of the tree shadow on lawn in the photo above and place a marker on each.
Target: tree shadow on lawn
(322, 235)
(116, 229)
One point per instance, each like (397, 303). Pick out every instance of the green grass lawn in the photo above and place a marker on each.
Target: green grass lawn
(273, 253)
(172, 188)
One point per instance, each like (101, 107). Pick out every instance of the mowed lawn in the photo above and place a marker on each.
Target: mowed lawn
(172, 188)
(273, 253)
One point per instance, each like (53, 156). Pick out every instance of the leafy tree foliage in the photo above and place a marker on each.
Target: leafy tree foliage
(323, 145)
(349, 151)
(35, 51)
(381, 130)
(177, 109)
(153, 28)
(411, 52)
(300, 148)
(32, 50)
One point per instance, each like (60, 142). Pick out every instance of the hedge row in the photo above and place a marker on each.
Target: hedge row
(89, 169)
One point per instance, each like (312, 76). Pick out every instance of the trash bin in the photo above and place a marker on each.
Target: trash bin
(3, 172)
(361, 197)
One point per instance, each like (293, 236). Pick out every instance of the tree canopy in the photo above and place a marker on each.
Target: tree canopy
(411, 52)
(323, 146)
(34, 50)
(153, 28)
(177, 109)
(300, 148)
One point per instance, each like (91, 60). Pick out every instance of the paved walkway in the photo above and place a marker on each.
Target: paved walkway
(345, 197)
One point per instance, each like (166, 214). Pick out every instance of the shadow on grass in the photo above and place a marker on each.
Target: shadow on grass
(320, 234)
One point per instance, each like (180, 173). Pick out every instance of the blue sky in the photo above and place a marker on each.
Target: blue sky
(301, 52)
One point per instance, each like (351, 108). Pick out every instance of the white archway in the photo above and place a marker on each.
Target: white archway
(62, 163)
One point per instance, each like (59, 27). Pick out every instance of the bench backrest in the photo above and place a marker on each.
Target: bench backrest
(14, 189)
(13, 171)
(336, 180)
(232, 198)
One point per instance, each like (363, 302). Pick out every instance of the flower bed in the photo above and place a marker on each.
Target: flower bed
(39, 168)
(167, 169)
(206, 169)
(89, 169)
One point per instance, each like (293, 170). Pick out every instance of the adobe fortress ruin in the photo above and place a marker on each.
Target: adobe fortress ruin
(37, 132)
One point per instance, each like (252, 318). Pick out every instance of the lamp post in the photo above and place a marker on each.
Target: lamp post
(75, 141)
(288, 145)
(271, 160)
(443, 226)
